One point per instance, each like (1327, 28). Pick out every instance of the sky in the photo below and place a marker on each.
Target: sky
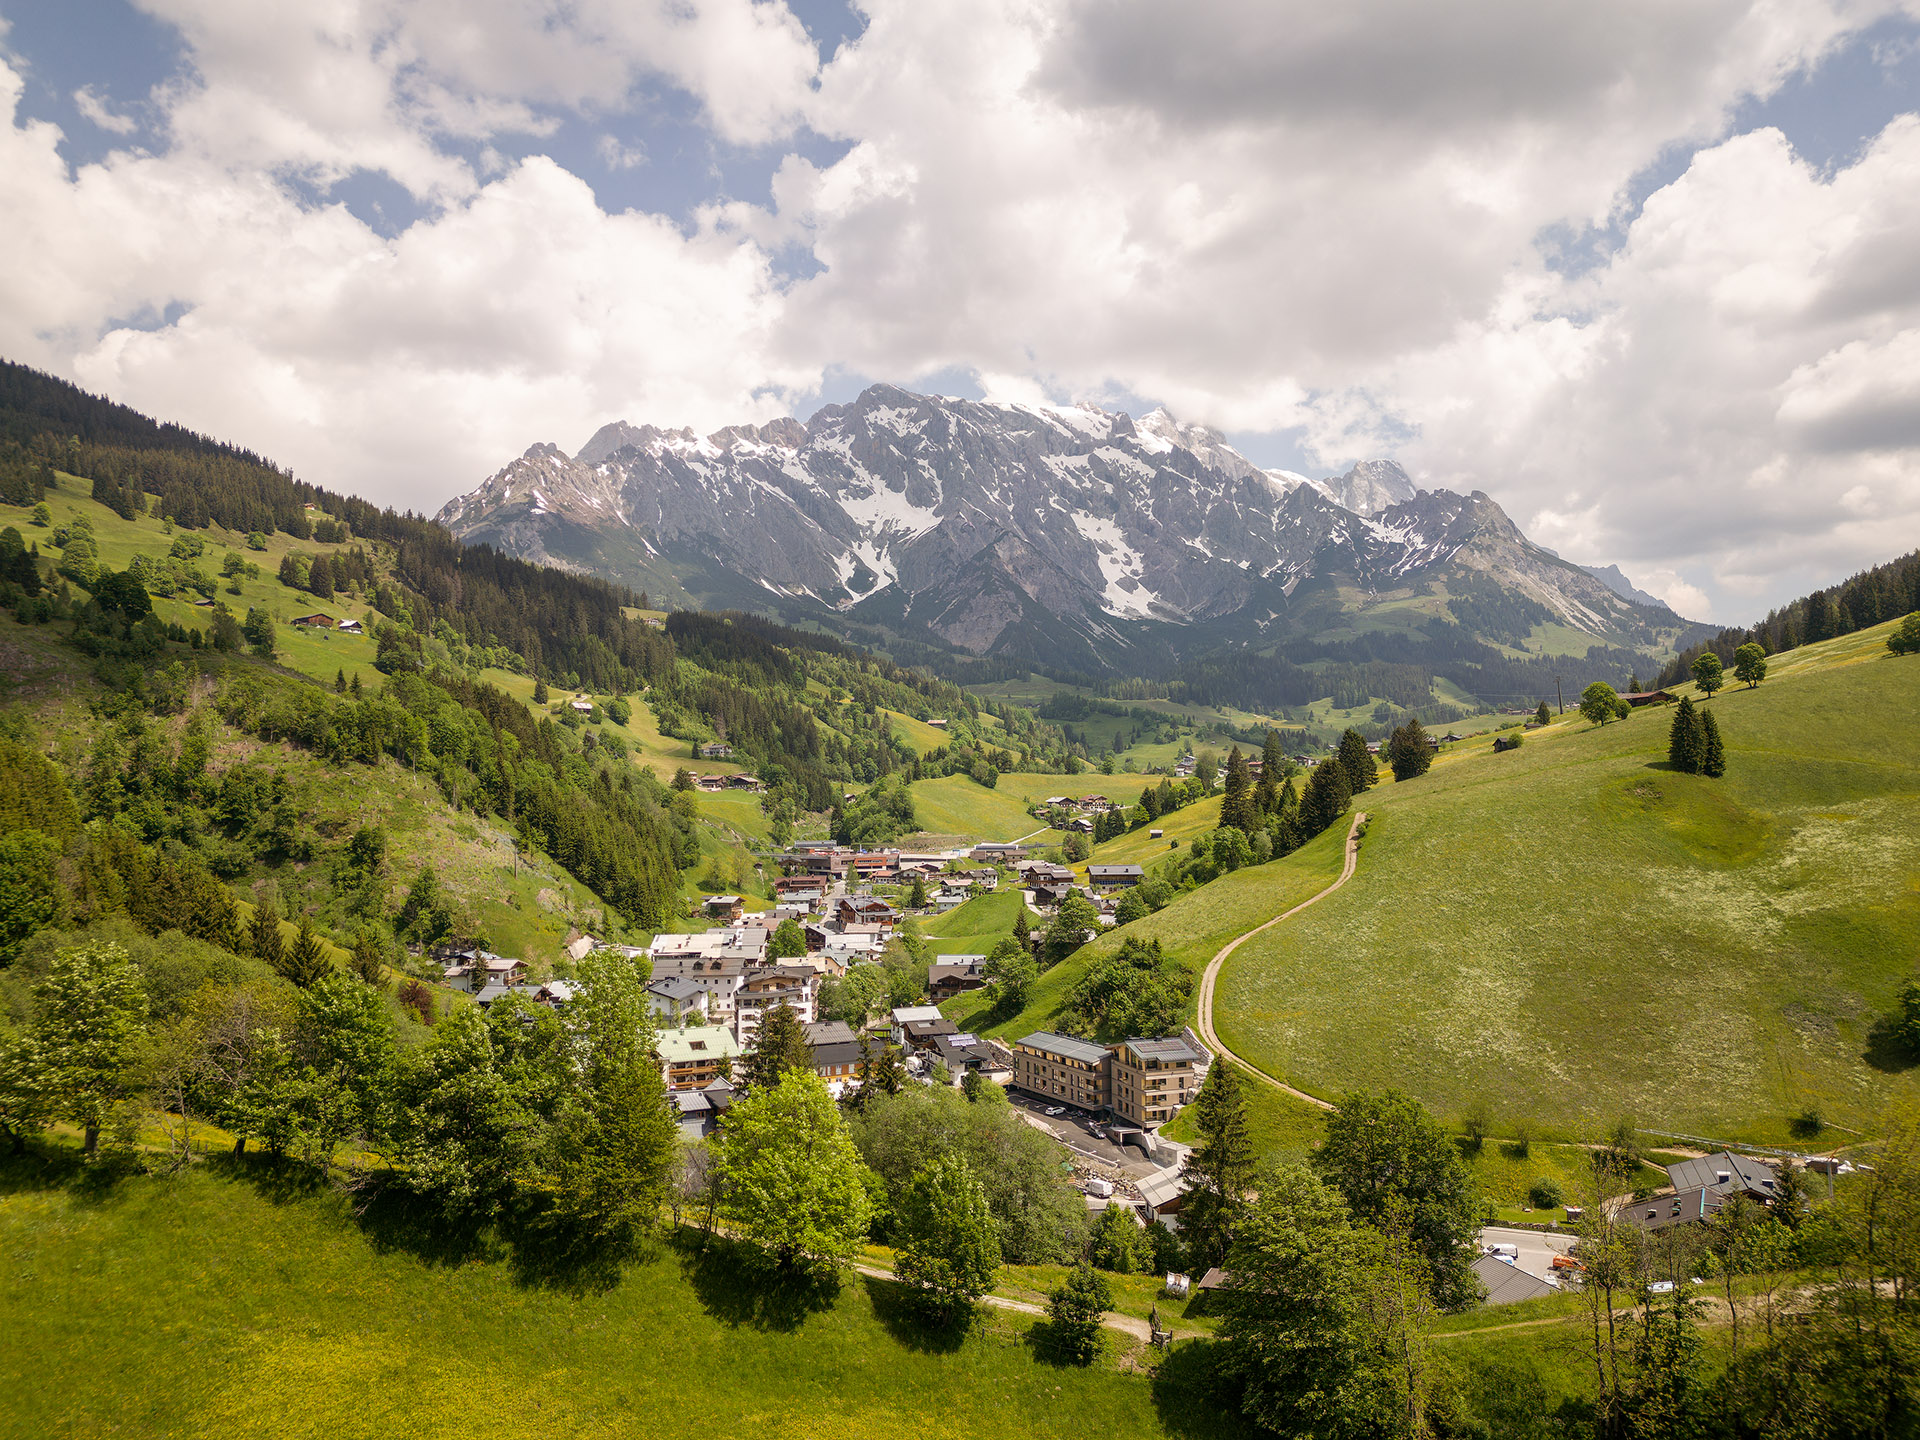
(1647, 273)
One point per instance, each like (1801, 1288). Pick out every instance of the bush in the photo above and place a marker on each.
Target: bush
(1546, 1193)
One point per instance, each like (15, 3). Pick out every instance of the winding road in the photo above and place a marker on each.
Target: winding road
(1205, 1025)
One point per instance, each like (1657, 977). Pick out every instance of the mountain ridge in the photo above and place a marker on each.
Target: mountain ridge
(1117, 532)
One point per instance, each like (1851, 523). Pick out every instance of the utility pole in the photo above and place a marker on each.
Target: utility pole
(1558, 696)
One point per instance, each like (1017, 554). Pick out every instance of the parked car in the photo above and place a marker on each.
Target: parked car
(1504, 1252)
(1056, 1110)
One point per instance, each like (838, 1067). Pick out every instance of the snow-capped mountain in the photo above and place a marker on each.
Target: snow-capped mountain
(983, 523)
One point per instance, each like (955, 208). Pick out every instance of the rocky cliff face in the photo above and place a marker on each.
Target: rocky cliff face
(980, 521)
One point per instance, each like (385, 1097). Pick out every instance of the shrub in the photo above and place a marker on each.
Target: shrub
(1545, 1194)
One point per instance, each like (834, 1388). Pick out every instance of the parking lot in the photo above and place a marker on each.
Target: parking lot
(1088, 1136)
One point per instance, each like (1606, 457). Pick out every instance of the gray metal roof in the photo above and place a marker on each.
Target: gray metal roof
(1507, 1284)
(1168, 1049)
(1741, 1173)
(1065, 1045)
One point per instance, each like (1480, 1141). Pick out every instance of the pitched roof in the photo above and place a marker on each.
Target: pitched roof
(1161, 1186)
(1742, 1174)
(696, 1043)
(1507, 1284)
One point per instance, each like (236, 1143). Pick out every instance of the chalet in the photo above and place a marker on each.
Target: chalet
(716, 750)
(953, 975)
(937, 724)
(866, 864)
(1082, 824)
(723, 907)
(693, 1112)
(1003, 851)
(961, 1052)
(675, 999)
(849, 911)
(905, 1015)
(1045, 872)
(925, 1034)
(693, 1057)
(474, 970)
(769, 986)
(799, 887)
(313, 622)
(710, 784)
(1161, 1194)
(1637, 698)
(744, 781)
(350, 627)
(1696, 1205)
(1105, 876)
(1725, 1174)
(554, 992)
(1051, 894)
(1095, 802)
(836, 1054)
(1507, 1283)
(580, 705)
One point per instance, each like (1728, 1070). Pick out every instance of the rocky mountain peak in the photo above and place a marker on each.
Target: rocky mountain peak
(989, 523)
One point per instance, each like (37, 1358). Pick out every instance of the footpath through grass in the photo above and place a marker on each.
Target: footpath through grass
(216, 1303)
(1573, 932)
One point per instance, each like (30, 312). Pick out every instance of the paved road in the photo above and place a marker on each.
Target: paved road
(1205, 1025)
(1537, 1248)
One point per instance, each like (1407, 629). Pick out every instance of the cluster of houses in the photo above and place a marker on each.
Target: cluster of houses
(325, 622)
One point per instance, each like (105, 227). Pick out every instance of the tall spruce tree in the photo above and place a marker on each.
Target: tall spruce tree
(1408, 751)
(1273, 765)
(1219, 1169)
(1326, 800)
(263, 934)
(305, 963)
(1713, 754)
(1357, 761)
(1236, 805)
(780, 1046)
(1686, 740)
(1543, 716)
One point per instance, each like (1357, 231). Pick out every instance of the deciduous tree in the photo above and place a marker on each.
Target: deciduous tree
(949, 1249)
(1708, 673)
(1750, 664)
(791, 1177)
(1076, 1309)
(1599, 703)
(1384, 1150)
(82, 1052)
(787, 941)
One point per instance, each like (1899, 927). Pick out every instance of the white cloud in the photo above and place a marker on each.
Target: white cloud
(94, 108)
(1265, 216)
(402, 368)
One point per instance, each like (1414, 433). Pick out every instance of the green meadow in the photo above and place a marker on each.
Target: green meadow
(231, 1301)
(1573, 932)
(955, 805)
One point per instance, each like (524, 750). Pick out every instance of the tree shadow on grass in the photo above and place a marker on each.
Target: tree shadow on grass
(908, 1320)
(44, 1167)
(738, 1284)
(549, 1254)
(1887, 1051)
(1196, 1396)
(397, 1221)
(1055, 1344)
(277, 1179)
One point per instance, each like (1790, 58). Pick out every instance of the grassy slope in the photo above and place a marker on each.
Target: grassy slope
(205, 1305)
(1573, 932)
(975, 927)
(955, 805)
(525, 913)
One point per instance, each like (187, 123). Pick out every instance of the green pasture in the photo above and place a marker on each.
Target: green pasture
(976, 926)
(1572, 932)
(919, 736)
(1192, 928)
(1137, 847)
(955, 805)
(231, 1300)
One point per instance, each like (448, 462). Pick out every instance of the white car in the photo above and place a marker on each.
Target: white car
(1056, 1110)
